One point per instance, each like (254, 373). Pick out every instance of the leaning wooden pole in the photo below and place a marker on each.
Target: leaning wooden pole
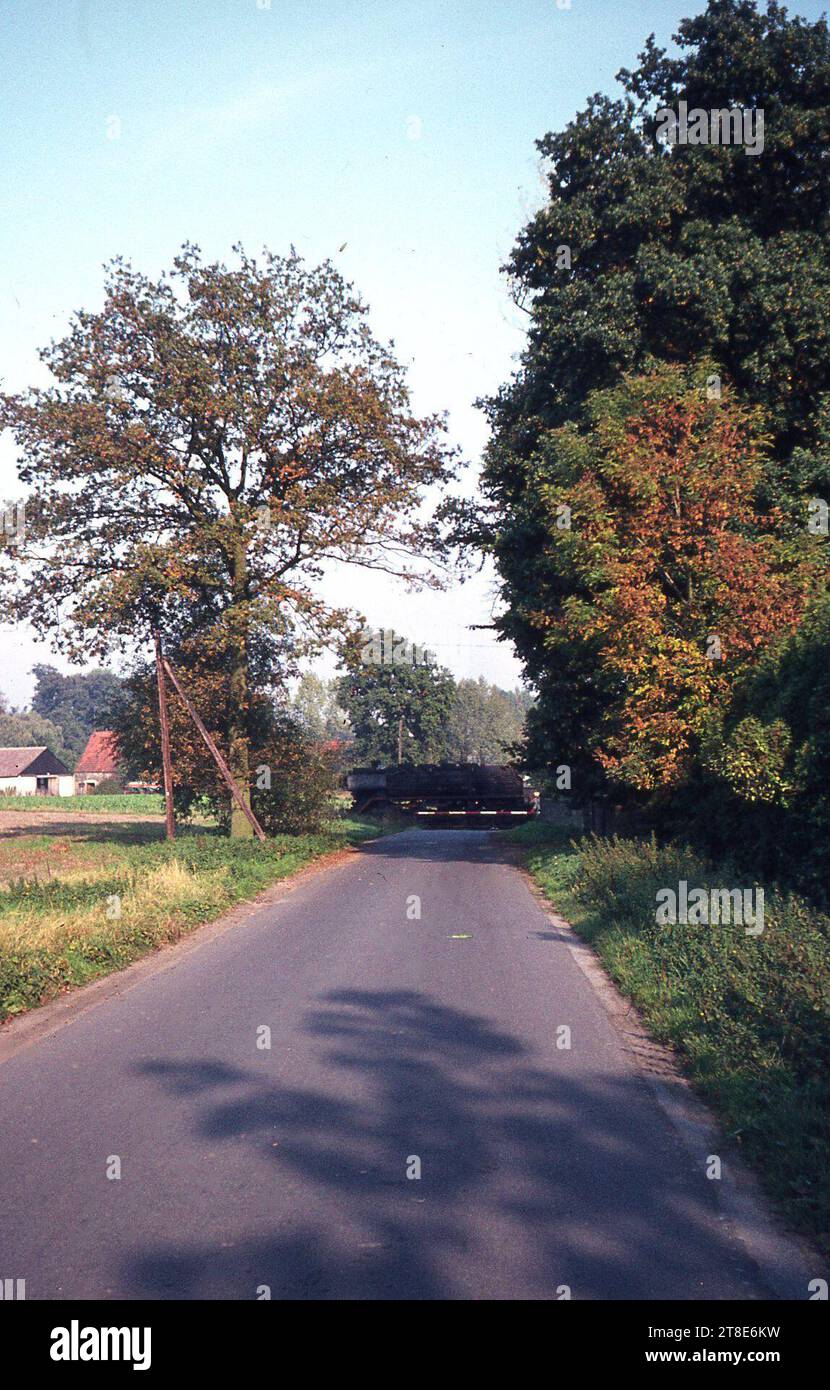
(214, 751)
(170, 824)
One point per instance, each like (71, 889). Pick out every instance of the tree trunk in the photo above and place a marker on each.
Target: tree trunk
(241, 828)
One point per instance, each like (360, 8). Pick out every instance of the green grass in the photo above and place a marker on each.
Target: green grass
(150, 804)
(59, 895)
(747, 1016)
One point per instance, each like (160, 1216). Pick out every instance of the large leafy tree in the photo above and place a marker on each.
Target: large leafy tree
(27, 729)
(78, 704)
(396, 705)
(215, 439)
(645, 253)
(676, 581)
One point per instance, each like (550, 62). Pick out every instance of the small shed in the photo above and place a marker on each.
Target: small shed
(34, 772)
(98, 762)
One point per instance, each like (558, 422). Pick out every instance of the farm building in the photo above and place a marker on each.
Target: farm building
(34, 772)
(98, 762)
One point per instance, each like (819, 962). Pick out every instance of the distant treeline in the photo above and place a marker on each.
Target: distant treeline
(63, 713)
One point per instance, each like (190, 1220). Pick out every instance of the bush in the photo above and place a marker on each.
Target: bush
(111, 786)
(293, 781)
(302, 783)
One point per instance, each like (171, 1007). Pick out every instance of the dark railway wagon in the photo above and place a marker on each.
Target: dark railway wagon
(450, 793)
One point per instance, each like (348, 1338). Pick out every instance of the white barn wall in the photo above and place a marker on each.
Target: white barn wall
(27, 786)
(19, 786)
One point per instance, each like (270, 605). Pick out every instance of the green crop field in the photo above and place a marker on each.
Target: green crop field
(150, 804)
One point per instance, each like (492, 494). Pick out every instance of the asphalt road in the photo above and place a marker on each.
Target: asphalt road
(393, 1038)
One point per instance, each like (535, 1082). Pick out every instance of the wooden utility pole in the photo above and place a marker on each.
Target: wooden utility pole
(170, 824)
(214, 752)
(400, 740)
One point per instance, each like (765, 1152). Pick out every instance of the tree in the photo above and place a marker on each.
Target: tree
(676, 581)
(315, 703)
(78, 704)
(214, 439)
(398, 706)
(486, 723)
(26, 729)
(309, 703)
(644, 254)
(765, 795)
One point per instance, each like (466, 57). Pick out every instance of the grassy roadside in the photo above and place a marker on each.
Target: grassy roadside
(96, 899)
(747, 1016)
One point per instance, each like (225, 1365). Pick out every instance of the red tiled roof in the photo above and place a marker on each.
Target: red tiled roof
(100, 754)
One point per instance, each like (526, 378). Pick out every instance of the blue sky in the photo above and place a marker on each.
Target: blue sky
(404, 130)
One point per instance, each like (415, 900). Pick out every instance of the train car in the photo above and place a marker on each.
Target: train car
(479, 794)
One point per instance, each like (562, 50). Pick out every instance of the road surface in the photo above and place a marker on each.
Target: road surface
(397, 1041)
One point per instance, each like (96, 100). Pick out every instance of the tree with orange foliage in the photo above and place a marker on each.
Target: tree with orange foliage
(665, 577)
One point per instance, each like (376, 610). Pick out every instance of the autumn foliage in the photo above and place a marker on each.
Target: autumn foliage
(211, 442)
(671, 575)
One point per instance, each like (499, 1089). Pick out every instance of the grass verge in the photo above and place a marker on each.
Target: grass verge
(91, 903)
(747, 1015)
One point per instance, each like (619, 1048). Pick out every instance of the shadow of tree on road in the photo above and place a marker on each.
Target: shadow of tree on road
(533, 1176)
